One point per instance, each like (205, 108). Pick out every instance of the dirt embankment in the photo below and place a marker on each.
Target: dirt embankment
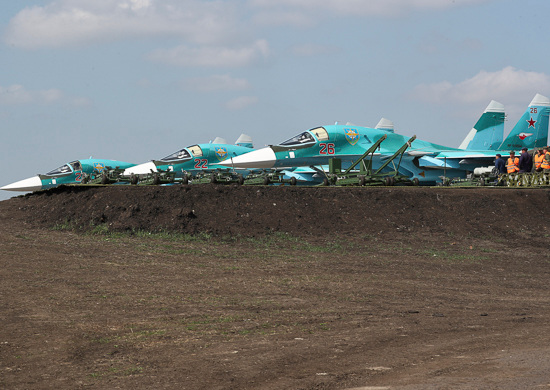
(250, 211)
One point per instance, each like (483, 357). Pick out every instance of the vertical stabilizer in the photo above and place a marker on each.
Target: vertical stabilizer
(386, 125)
(219, 140)
(245, 141)
(531, 131)
(488, 132)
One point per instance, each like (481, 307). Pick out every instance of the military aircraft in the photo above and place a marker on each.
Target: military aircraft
(426, 161)
(195, 158)
(487, 134)
(70, 173)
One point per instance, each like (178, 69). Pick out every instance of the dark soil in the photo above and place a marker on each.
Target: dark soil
(214, 287)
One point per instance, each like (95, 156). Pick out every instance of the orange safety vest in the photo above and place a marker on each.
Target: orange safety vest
(545, 164)
(513, 165)
(539, 159)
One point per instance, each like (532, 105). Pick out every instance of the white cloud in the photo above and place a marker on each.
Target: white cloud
(213, 56)
(241, 102)
(509, 84)
(75, 22)
(18, 94)
(300, 12)
(215, 83)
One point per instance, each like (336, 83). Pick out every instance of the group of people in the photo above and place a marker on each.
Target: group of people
(525, 162)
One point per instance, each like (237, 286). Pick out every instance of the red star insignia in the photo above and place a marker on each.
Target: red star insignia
(531, 122)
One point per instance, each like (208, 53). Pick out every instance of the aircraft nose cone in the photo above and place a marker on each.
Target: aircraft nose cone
(141, 169)
(261, 158)
(31, 184)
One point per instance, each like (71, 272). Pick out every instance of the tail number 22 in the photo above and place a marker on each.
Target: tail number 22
(201, 163)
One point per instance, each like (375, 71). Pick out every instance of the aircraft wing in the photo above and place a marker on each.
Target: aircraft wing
(456, 159)
(430, 162)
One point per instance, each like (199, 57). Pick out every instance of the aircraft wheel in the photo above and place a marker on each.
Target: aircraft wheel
(266, 180)
(213, 179)
(240, 181)
(416, 181)
(185, 179)
(134, 179)
(156, 179)
(392, 181)
(325, 182)
(387, 181)
(104, 179)
(293, 181)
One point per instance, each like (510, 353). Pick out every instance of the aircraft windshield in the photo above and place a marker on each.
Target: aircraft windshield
(320, 133)
(301, 139)
(61, 170)
(195, 150)
(179, 155)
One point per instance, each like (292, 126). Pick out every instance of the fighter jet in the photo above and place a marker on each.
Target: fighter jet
(424, 160)
(195, 158)
(487, 134)
(70, 173)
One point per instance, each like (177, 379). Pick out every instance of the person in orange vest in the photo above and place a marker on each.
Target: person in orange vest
(546, 163)
(512, 165)
(539, 158)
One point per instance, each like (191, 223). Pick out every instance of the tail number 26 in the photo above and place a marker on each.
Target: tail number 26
(326, 148)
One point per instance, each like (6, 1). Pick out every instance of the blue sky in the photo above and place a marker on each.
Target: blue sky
(134, 80)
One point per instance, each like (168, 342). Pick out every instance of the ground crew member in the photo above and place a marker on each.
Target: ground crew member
(512, 165)
(546, 163)
(500, 164)
(539, 158)
(525, 161)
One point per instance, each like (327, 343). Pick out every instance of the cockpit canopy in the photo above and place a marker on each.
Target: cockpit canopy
(298, 140)
(320, 133)
(306, 138)
(182, 154)
(66, 168)
(195, 150)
